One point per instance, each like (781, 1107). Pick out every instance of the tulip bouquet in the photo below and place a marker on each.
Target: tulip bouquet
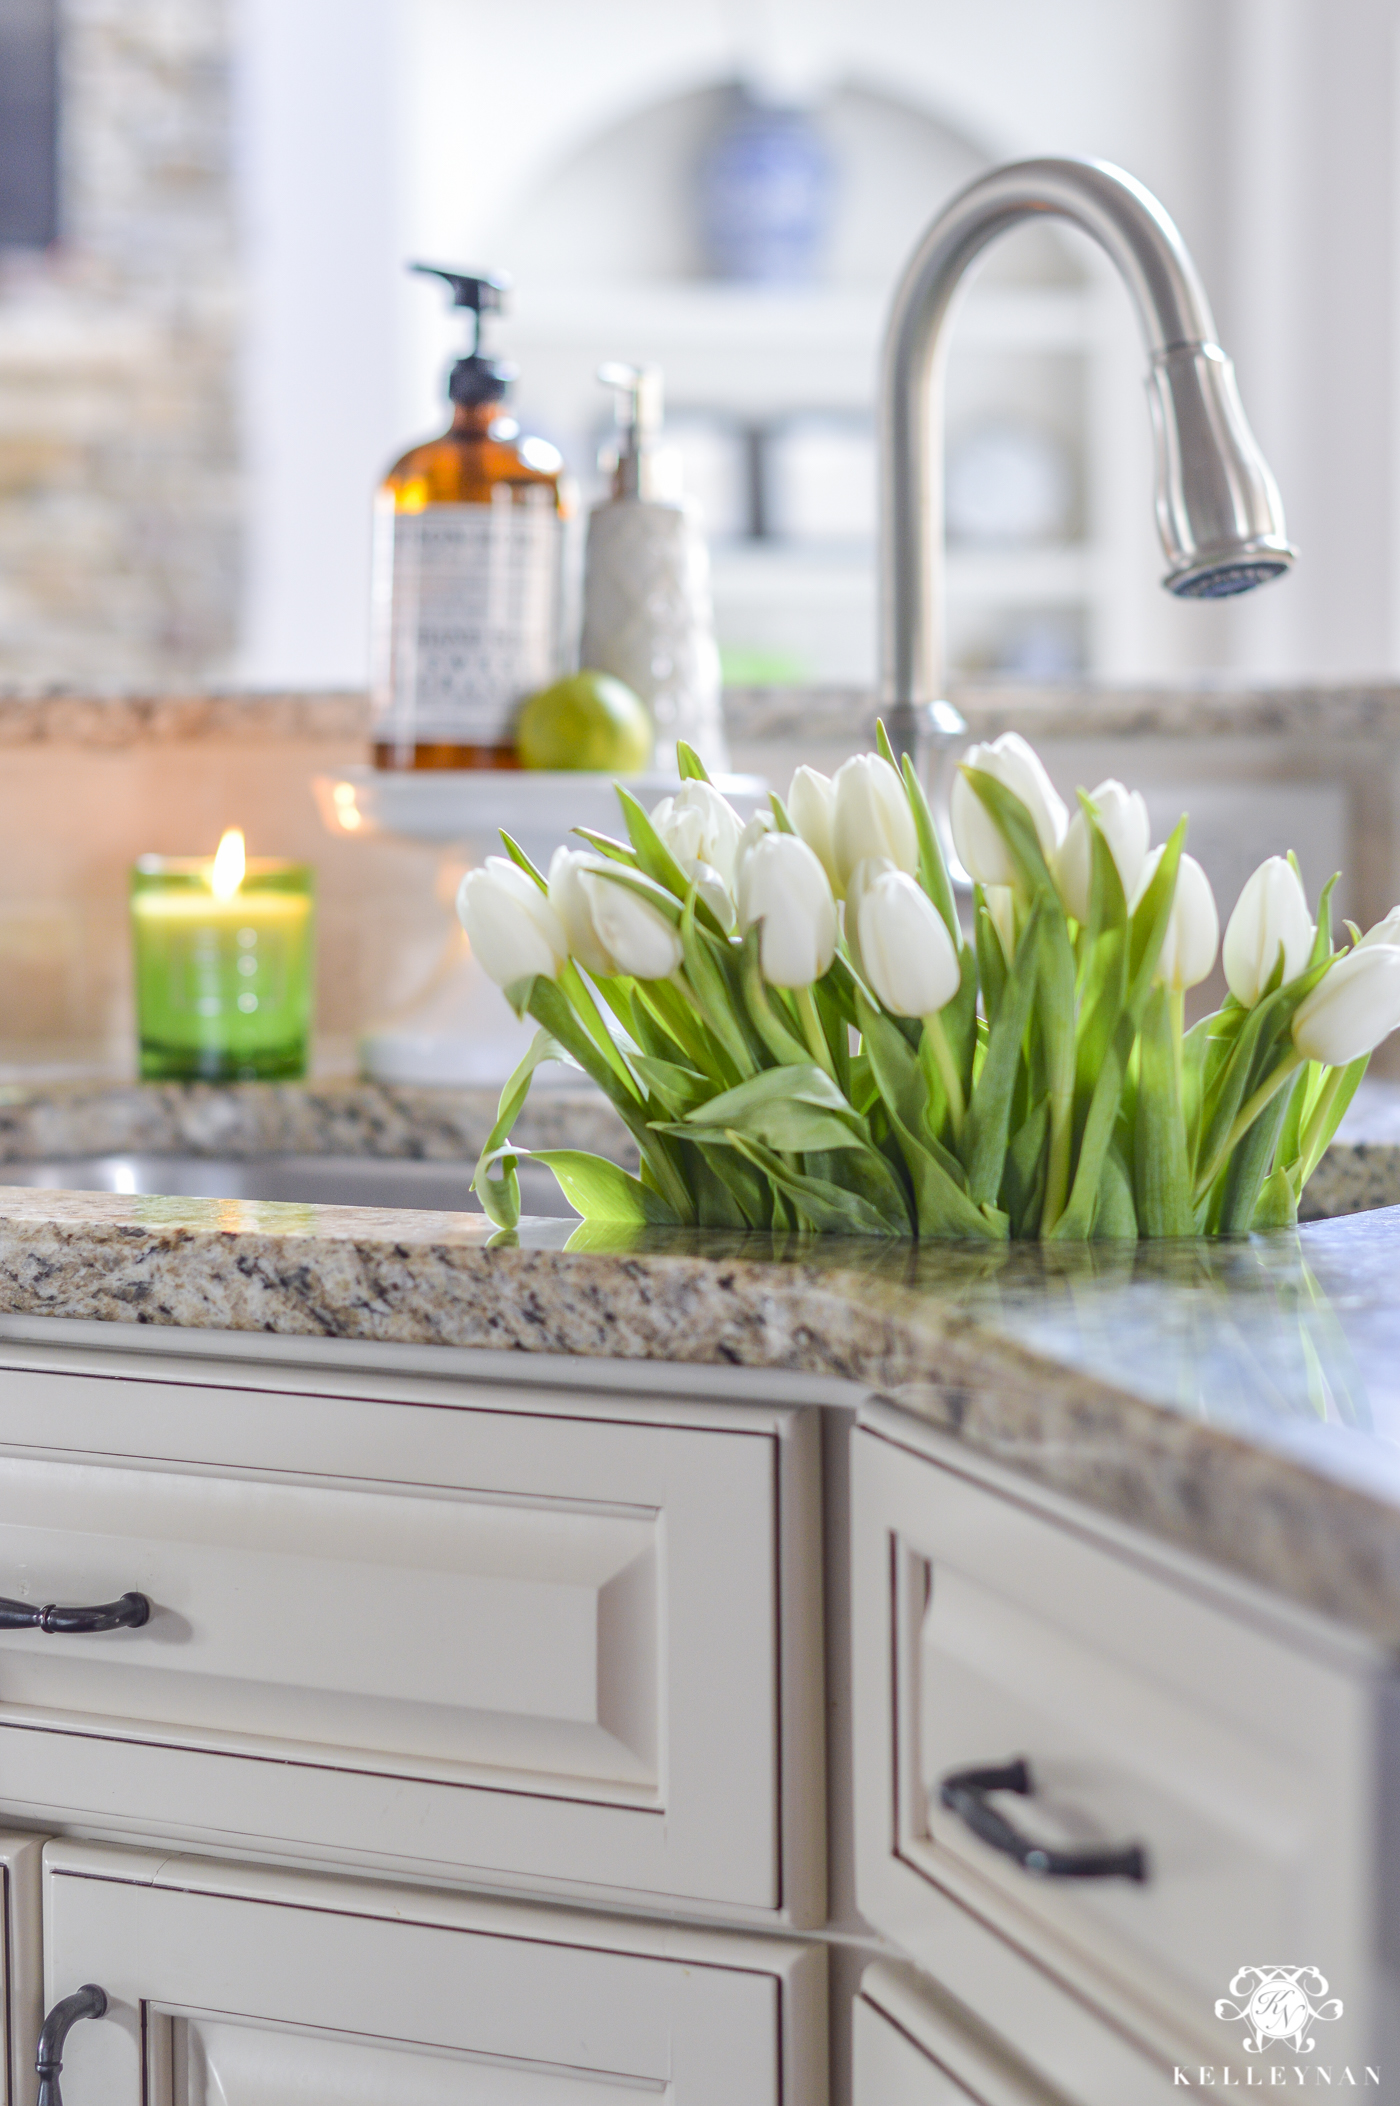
(799, 1034)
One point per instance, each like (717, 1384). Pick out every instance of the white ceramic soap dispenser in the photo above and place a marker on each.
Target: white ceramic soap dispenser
(647, 612)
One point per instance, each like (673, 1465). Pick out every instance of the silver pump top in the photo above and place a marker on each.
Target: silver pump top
(638, 403)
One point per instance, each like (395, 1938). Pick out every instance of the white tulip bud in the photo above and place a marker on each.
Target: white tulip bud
(906, 952)
(783, 886)
(1193, 926)
(637, 935)
(870, 816)
(862, 877)
(1353, 1007)
(574, 907)
(976, 835)
(512, 929)
(1125, 826)
(699, 826)
(1384, 931)
(810, 802)
(1270, 914)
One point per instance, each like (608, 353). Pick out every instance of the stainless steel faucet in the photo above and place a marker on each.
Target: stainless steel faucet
(1218, 507)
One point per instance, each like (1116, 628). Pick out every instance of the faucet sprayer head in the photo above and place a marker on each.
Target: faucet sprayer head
(1219, 513)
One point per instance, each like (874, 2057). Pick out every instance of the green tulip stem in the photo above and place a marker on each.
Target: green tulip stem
(1245, 1118)
(1310, 1148)
(812, 1029)
(1176, 1003)
(947, 1069)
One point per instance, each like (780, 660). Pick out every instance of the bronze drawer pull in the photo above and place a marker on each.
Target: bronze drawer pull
(128, 1614)
(87, 2002)
(964, 1792)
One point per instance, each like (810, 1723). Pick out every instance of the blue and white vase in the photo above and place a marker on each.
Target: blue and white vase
(766, 185)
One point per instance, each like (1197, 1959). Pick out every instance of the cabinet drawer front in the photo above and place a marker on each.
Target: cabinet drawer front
(556, 1637)
(253, 1988)
(1146, 1715)
(908, 2050)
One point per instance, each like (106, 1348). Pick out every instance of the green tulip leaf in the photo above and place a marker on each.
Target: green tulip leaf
(985, 1131)
(603, 1191)
(1016, 827)
(689, 765)
(522, 861)
(817, 1202)
(933, 870)
(678, 1088)
(1161, 1169)
(494, 1180)
(1115, 1220)
(1277, 1205)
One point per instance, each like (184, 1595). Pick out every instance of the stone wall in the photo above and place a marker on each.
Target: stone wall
(119, 538)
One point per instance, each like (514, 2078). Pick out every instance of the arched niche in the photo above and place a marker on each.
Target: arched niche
(621, 207)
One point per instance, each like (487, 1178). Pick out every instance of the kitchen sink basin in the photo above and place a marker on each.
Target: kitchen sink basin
(307, 1180)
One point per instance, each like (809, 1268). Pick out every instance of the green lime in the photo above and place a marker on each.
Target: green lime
(590, 721)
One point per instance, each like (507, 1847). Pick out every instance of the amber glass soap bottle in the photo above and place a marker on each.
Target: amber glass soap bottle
(466, 572)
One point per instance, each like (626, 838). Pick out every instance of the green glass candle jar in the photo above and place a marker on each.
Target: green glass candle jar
(223, 966)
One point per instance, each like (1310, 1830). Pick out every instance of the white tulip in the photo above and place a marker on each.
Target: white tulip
(862, 877)
(1384, 931)
(782, 885)
(638, 937)
(1271, 914)
(1353, 1007)
(1125, 826)
(574, 907)
(1193, 926)
(810, 801)
(870, 816)
(512, 928)
(984, 854)
(700, 828)
(906, 952)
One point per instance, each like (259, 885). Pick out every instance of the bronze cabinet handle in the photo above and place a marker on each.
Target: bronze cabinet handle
(128, 1614)
(965, 1793)
(87, 2002)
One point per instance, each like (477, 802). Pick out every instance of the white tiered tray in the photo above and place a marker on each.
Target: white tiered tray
(460, 1029)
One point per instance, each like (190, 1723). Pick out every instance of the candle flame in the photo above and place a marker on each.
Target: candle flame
(229, 865)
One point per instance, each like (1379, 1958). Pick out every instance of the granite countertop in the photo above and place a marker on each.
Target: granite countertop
(1241, 1400)
(1363, 711)
(48, 1121)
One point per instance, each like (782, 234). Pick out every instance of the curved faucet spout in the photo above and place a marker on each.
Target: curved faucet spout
(1218, 508)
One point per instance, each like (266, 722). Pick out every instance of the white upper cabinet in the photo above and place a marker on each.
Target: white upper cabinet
(508, 1639)
(235, 1987)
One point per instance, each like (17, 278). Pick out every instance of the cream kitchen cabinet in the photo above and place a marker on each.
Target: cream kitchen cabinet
(913, 2049)
(244, 1986)
(535, 1638)
(1094, 1779)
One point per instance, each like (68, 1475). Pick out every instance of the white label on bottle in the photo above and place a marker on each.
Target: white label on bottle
(465, 616)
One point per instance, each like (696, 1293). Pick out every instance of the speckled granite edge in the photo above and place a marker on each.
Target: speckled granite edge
(1355, 710)
(54, 1121)
(438, 1280)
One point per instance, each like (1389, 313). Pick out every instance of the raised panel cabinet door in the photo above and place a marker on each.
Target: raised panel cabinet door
(1154, 1779)
(481, 1634)
(231, 1986)
(21, 1963)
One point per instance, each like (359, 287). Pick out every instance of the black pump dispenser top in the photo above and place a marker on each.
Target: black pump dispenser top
(475, 378)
